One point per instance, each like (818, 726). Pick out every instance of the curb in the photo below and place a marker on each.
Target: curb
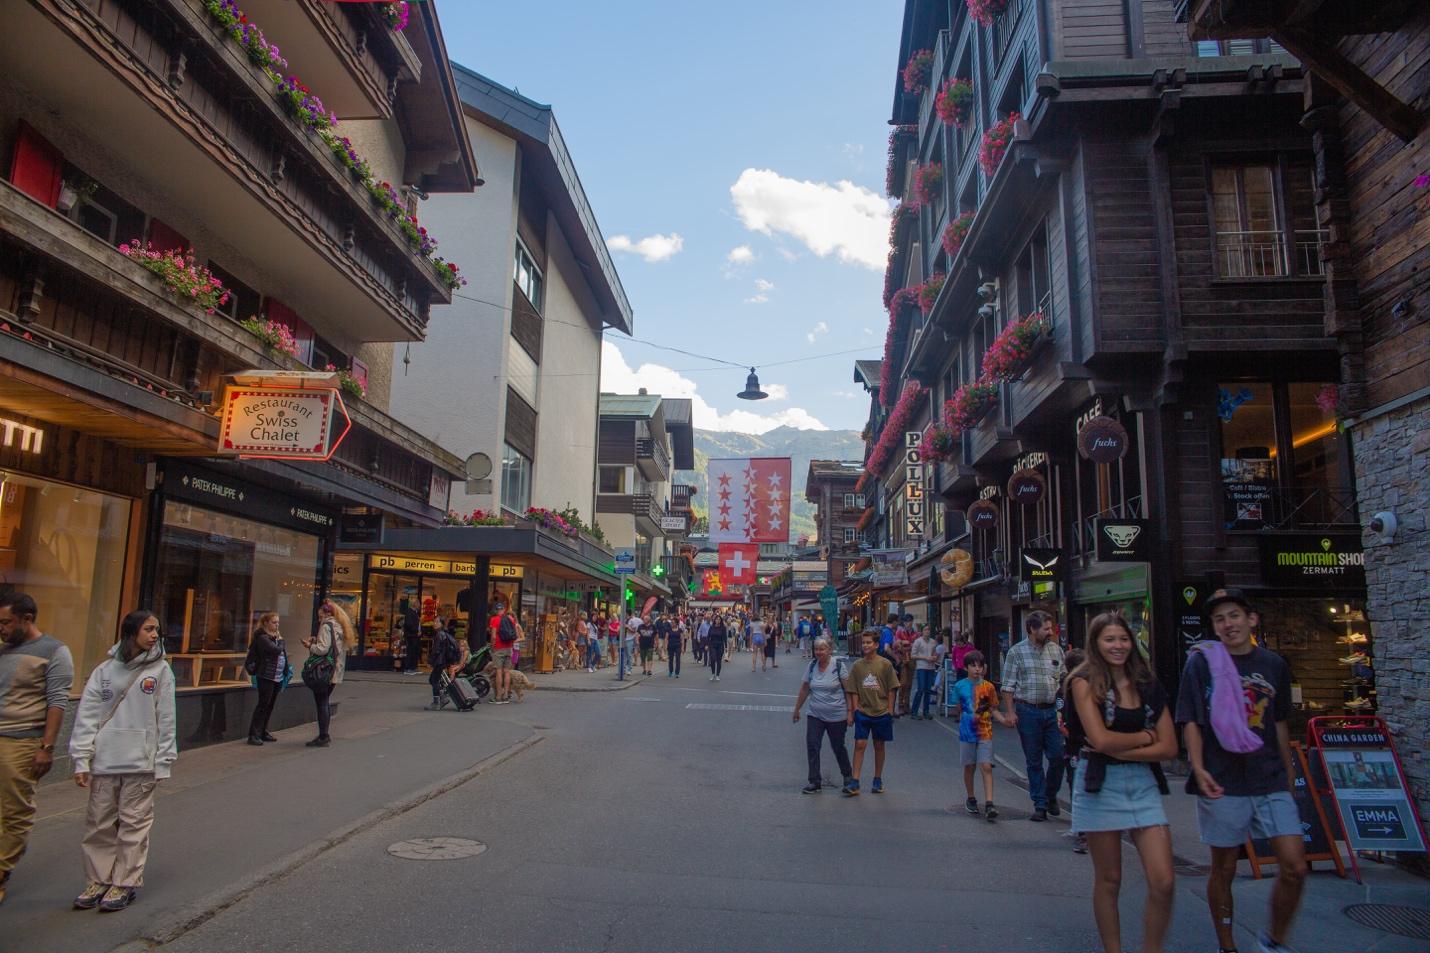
(617, 687)
(200, 912)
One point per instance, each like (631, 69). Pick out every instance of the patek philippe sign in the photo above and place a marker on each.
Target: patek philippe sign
(1122, 541)
(231, 494)
(360, 528)
(283, 423)
(1312, 560)
(1043, 565)
(914, 504)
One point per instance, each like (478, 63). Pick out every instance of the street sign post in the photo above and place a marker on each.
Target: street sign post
(625, 561)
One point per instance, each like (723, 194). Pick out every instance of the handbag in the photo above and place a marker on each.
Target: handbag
(318, 670)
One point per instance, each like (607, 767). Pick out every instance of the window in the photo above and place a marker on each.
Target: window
(527, 276)
(1031, 275)
(1247, 221)
(613, 480)
(859, 503)
(849, 501)
(1237, 47)
(515, 480)
(243, 301)
(848, 534)
(97, 220)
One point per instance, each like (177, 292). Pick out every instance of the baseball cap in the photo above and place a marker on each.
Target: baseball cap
(1222, 596)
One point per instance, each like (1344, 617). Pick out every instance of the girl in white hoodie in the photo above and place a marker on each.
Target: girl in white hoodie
(122, 745)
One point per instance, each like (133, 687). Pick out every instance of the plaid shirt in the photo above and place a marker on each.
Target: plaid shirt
(1031, 675)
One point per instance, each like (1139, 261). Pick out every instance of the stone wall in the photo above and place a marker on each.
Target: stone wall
(1392, 454)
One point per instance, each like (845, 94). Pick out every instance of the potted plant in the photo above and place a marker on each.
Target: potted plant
(1012, 350)
(984, 12)
(395, 14)
(348, 383)
(969, 404)
(927, 181)
(929, 291)
(995, 144)
(917, 71)
(275, 335)
(955, 233)
(181, 274)
(954, 102)
(75, 188)
(939, 443)
(474, 518)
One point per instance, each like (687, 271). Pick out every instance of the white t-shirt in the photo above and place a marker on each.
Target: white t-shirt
(924, 647)
(633, 625)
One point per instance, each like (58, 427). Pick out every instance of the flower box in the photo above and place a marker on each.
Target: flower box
(995, 144)
(984, 12)
(929, 291)
(970, 404)
(1012, 351)
(892, 434)
(276, 336)
(927, 181)
(939, 443)
(896, 139)
(955, 233)
(954, 102)
(181, 273)
(918, 71)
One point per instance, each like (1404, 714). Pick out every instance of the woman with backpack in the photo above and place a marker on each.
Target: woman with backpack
(327, 660)
(445, 655)
(122, 749)
(267, 663)
(829, 714)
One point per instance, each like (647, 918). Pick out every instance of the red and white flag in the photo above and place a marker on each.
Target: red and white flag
(749, 500)
(737, 563)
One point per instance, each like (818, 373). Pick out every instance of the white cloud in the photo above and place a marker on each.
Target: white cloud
(740, 255)
(869, 331)
(757, 299)
(618, 377)
(846, 394)
(788, 255)
(762, 291)
(841, 219)
(764, 284)
(776, 391)
(816, 331)
(651, 248)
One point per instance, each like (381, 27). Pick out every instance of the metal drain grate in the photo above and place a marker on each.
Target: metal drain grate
(436, 848)
(1413, 922)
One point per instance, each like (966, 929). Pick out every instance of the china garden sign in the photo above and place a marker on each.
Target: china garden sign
(283, 421)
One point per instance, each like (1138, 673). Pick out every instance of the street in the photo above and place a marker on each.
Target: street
(662, 816)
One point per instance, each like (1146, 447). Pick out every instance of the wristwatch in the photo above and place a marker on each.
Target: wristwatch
(48, 747)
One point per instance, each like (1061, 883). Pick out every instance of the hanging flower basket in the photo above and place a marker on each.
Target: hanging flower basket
(995, 144)
(927, 181)
(1328, 399)
(1012, 350)
(929, 291)
(275, 335)
(969, 404)
(396, 15)
(918, 71)
(939, 443)
(181, 273)
(956, 232)
(984, 12)
(896, 139)
(954, 102)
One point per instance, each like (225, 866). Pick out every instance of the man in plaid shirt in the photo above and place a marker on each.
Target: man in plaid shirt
(1032, 671)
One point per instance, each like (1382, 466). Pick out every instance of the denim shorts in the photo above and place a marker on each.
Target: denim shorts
(1129, 800)
(975, 752)
(1228, 821)
(882, 727)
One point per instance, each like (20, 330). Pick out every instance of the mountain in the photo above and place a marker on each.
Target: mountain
(801, 446)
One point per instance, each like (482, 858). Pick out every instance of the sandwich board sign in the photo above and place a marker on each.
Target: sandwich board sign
(1315, 827)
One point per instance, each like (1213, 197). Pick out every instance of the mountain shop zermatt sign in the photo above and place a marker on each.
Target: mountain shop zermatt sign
(285, 415)
(1313, 560)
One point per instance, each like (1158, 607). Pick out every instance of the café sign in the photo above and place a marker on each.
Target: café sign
(303, 422)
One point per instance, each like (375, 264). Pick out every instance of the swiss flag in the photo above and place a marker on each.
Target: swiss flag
(737, 563)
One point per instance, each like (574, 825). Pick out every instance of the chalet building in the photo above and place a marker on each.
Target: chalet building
(169, 123)
(1367, 111)
(1105, 288)
(838, 507)
(644, 439)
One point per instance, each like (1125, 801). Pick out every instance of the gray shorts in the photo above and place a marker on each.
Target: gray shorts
(1228, 821)
(975, 752)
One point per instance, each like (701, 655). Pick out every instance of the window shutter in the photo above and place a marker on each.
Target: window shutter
(359, 372)
(37, 167)
(164, 238)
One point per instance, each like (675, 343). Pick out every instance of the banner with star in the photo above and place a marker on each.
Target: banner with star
(749, 499)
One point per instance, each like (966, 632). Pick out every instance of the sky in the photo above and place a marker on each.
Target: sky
(734, 156)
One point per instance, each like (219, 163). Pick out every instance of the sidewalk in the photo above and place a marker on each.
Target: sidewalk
(234, 816)
(1322, 924)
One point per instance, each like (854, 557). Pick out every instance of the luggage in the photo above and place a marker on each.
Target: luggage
(463, 695)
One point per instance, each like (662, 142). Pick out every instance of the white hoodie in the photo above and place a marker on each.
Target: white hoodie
(140, 737)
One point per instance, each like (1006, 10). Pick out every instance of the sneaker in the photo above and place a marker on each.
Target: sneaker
(712, 678)
(268, 738)
(435, 706)
(91, 896)
(810, 789)
(717, 678)
(1054, 810)
(989, 811)
(1079, 843)
(971, 806)
(1354, 658)
(258, 742)
(851, 788)
(877, 787)
(1264, 944)
(1039, 814)
(116, 899)
(319, 743)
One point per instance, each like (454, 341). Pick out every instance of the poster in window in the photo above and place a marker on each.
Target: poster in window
(1247, 491)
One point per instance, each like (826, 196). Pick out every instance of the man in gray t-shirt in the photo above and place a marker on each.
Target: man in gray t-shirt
(824, 687)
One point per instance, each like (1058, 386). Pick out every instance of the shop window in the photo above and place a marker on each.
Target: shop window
(1320, 470)
(65, 546)
(1248, 453)
(515, 480)
(215, 574)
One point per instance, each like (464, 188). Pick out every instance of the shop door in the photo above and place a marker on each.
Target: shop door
(204, 589)
(392, 598)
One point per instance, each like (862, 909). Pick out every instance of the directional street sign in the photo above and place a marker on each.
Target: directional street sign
(625, 561)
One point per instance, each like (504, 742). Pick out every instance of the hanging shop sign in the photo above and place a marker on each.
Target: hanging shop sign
(1043, 566)
(914, 511)
(1312, 560)
(672, 524)
(1102, 440)
(26, 438)
(983, 514)
(956, 568)
(360, 528)
(1027, 487)
(1191, 626)
(889, 567)
(284, 423)
(391, 562)
(1122, 541)
(223, 491)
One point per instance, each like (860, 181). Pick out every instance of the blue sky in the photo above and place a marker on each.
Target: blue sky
(668, 107)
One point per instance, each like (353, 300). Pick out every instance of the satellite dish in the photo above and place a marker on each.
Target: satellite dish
(479, 466)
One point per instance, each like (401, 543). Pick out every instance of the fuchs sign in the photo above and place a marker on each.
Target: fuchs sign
(1312, 560)
(983, 515)
(282, 422)
(1102, 440)
(1026, 487)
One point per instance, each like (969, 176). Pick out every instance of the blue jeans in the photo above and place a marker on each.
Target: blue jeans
(1038, 731)
(593, 654)
(923, 689)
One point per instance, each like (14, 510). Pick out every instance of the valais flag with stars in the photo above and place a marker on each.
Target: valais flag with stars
(749, 500)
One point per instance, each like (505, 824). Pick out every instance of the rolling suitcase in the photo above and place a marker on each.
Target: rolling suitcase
(463, 695)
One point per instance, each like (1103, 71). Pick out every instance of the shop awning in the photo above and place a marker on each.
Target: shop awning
(523, 546)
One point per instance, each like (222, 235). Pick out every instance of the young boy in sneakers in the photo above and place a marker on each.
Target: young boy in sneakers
(977, 707)
(874, 688)
(1241, 795)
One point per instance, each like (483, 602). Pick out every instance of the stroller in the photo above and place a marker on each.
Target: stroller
(472, 671)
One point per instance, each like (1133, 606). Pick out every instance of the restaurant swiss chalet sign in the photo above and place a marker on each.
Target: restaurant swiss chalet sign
(283, 415)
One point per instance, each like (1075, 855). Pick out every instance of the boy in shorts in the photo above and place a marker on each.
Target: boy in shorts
(874, 688)
(977, 707)
(1244, 795)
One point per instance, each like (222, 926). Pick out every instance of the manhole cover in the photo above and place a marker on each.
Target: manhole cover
(1413, 922)
(436, 848)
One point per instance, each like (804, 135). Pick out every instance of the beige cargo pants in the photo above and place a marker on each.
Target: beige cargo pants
(116, 828)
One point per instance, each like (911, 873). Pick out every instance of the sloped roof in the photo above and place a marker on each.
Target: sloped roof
(643, 406)
(867, 373)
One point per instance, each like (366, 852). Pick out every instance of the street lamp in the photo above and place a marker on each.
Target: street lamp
(752, 388)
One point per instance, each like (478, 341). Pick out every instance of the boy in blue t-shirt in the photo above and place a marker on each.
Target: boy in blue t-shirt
(977, 705)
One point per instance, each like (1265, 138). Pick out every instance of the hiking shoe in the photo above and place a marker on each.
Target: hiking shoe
(877, 787)
(1054, 810)
(1039, 814)
(851, 788)
(116, 899)
(971, 806)
(810, 789)
(91, 896)
(1079, 843)
(989, 811)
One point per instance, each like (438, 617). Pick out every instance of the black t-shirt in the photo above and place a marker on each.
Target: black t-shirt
(664, 630)
(718, 632)
(646, 636)
(1266, 691)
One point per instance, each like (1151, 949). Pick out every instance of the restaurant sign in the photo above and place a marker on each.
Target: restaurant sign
(282, 422)
(1312, 560)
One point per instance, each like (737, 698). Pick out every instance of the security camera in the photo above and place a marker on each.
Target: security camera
(987, 311)
(987, 290)
(1384, 524)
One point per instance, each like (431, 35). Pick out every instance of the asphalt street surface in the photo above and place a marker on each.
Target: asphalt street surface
(669, 817)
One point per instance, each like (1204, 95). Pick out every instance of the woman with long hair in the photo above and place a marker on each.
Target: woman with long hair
(267, 662)
(1120, 720)
(123, 745)
(335, 639)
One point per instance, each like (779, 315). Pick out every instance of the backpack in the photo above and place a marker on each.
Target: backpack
(506, 630)
(838, 670)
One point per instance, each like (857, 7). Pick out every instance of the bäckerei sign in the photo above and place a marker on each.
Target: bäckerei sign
(285, 423)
